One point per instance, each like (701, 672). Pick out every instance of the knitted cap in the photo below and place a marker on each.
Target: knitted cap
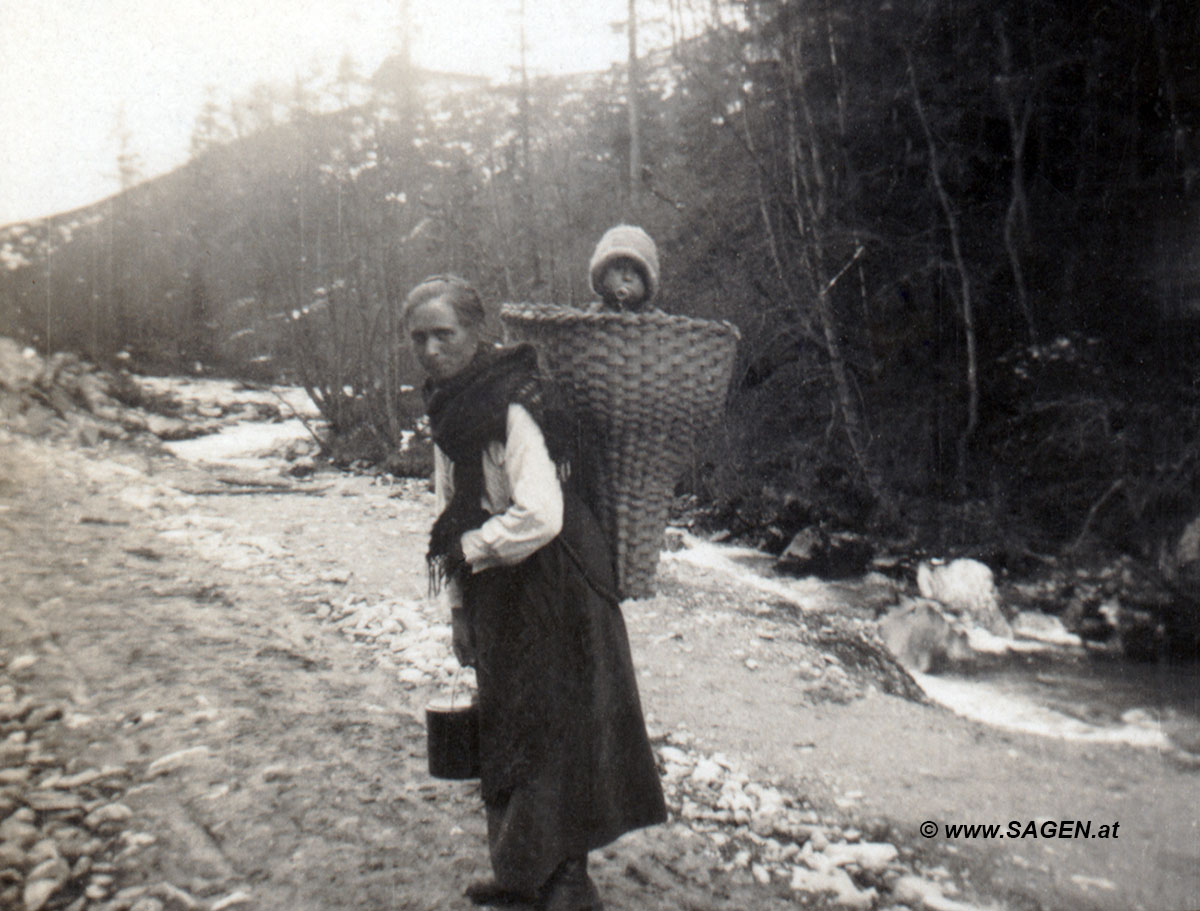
(626, 241)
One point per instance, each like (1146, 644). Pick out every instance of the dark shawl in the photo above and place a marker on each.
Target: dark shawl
(466, 413)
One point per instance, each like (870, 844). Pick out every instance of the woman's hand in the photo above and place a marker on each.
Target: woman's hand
(461, 638)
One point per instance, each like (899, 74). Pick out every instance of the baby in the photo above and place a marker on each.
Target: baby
(624, 270)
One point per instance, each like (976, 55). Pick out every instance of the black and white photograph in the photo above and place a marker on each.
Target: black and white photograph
(567, 455)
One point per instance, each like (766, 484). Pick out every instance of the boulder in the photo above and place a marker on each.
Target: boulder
(966, 587)
(1186, 558)
(921, 637)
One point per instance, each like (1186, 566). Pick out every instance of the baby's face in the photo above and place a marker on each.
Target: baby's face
(622, 284)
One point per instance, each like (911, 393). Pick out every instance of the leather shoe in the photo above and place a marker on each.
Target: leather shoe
(490, 892)
(570, 889)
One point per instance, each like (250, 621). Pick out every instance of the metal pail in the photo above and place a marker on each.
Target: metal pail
(452, 733)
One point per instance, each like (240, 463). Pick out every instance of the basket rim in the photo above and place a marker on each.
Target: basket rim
(566, 314)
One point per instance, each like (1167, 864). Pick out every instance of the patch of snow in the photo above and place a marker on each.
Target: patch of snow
(807, 594)
(240, 443)
(1013, 712)
(1044, 628)
(229, 393)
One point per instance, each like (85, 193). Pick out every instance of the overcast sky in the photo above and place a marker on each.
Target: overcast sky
(70, 70)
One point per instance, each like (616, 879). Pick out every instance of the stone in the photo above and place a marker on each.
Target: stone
(96, 892)
(12, 856)
(921, 638)
(48, 801)
(706, 772)
(175, 760)
(873, 856)
(44, 850)
(109, 813)
(234, 898)
(72, 842)
(921, 893)
(55, 869)
(21, 663)
(147, 903)
(18, 833)
(43, 715)
(17, 775)
(674, 754)
(38, 892)
(90, 776)
(174, 897)
(966, 587)
(835, 881)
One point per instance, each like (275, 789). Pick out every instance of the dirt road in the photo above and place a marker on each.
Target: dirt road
(241, 672)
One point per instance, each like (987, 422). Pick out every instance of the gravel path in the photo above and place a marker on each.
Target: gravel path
(211, 697)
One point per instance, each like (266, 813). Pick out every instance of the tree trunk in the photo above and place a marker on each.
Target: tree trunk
(635, 137)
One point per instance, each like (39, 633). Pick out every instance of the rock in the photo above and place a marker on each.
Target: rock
(48, 801)
(12, 856)
(12, 710)
(38, 892)
(175, 760)
(835, 881)
(44, 850)
(234, 898)
(966, 587)
(674, 754)
(1184, 562)
(303, 467)
(109, 813)
(55, 869)
(867, 855)
(147, 903)
(96, 892)
(921, 638)
(21, 663)
(814, 552)
(18, 775)
(43, 715)
(17, 832)
(921, 893)
(706, 772)
(174, 897)
(89, 776)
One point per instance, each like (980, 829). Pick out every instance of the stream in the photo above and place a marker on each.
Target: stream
(1054, 688)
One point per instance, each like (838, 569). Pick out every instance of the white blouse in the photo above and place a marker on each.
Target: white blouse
(520, 489)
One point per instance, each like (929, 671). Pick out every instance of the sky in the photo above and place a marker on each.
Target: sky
(72, 72)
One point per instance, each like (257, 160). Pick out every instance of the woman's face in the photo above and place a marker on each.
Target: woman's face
(442, 344)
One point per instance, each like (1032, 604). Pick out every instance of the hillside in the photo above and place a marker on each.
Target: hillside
(957, 241)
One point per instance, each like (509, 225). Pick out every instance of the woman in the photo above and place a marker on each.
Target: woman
(566, 766)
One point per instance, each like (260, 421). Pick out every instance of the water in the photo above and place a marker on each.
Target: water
(1051, 689)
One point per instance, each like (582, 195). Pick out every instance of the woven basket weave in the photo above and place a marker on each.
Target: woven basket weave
(650, 384)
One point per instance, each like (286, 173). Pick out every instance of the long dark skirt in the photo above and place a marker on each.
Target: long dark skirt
(566, 766)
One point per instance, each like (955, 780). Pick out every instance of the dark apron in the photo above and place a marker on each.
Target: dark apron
(566, 766)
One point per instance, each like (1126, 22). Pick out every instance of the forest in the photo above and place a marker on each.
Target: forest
(958, 238)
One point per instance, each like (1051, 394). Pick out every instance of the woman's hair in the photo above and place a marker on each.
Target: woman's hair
(455, 291)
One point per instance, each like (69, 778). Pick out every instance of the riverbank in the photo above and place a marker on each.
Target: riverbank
(267, 642)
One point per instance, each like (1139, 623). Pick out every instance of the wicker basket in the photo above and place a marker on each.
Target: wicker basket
(650, 384)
